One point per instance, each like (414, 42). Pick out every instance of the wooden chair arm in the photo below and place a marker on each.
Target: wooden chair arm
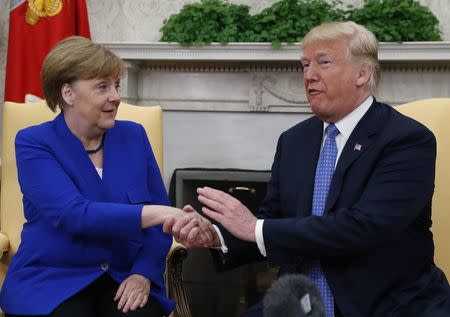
(4, 244)
(174, 280)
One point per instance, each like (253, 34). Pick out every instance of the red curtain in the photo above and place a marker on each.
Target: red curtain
(35, 26)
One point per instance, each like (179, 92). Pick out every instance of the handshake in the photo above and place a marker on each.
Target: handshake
(193, 230)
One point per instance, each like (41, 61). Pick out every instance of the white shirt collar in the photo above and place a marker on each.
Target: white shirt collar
(348, 123)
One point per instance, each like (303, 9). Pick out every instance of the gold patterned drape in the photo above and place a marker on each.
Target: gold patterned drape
(42, 8)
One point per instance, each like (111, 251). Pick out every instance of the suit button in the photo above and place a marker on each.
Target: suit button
(104, 266)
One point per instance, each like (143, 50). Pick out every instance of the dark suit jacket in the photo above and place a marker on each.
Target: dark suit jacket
(374, 240)
(79, 226)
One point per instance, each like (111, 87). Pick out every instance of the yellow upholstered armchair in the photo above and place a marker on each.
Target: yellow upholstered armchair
(435, 115)
(18, 116)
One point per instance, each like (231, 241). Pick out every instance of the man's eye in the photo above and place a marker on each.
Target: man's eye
(325, 62)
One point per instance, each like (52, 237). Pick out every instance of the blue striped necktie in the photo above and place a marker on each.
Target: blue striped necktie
(322, 181)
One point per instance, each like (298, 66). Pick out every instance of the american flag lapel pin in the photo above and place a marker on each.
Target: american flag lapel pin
(357, 147)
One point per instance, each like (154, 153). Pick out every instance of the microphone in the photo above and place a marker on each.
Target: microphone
(293, 295)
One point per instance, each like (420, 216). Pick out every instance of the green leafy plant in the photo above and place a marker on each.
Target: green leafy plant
(398, 20)
(287, 21)
(207, 21)
(290, 20)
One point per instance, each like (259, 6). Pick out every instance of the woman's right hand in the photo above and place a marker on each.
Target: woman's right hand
(153, 215)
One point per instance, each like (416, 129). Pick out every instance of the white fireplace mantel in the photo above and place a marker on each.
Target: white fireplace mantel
(262, 52)
(254, 77)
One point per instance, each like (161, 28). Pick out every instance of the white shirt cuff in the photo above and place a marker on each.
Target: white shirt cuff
(259, 237)
(223, 246)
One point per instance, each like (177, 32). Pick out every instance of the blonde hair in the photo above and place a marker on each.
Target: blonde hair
(72, 59)
(363, 44)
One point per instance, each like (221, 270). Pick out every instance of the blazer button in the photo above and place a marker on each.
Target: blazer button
(104, 266)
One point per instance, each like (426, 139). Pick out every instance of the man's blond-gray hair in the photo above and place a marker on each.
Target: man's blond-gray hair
(363, 45)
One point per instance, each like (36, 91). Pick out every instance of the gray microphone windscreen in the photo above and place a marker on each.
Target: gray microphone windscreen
(293, 295)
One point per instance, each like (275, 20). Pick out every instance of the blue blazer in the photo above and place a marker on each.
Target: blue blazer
(79, 226)
(374, 240)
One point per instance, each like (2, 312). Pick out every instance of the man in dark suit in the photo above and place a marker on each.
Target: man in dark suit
(350, 208)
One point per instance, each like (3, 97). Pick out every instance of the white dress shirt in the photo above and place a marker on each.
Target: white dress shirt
(99, 171)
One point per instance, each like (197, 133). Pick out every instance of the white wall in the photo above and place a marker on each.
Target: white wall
(4, 20)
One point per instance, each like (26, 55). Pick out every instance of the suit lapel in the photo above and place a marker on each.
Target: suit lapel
(115, 154)
(359, 142)
(308, 156)
(75, 161)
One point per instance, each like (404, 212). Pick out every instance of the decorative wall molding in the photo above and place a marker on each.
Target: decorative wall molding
(214, 52)
(254, 77)
(414, 51)
(244, 52)
(442, 67)
(274, 93)
(221, 66)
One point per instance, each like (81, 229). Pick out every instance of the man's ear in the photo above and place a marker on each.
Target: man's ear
(67, 94)
(363, 75)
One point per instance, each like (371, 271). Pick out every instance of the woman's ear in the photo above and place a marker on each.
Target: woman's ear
(67, 94)
(364, 75)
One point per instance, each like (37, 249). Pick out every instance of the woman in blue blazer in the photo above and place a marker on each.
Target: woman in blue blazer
(91, 187)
